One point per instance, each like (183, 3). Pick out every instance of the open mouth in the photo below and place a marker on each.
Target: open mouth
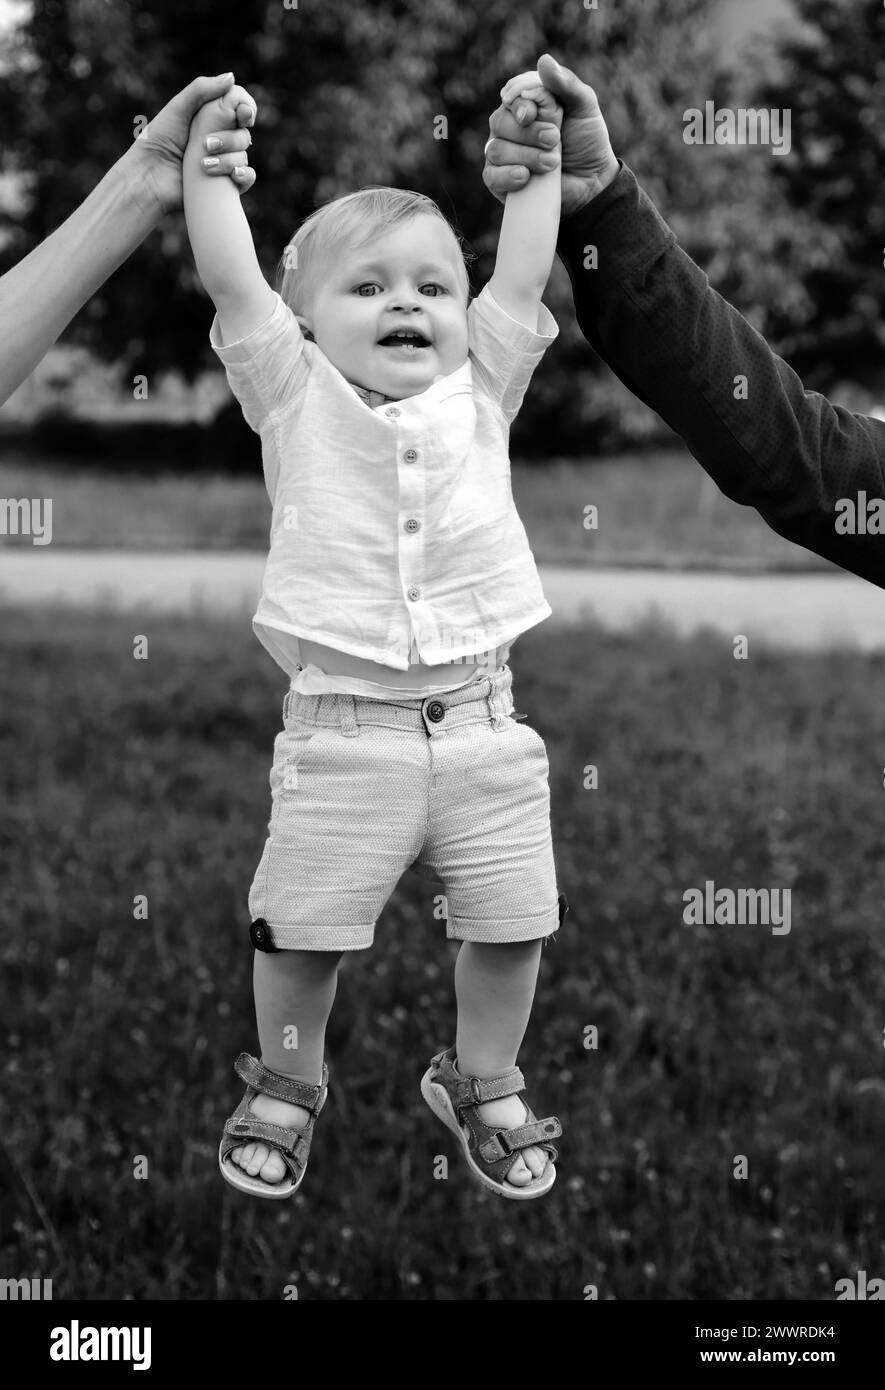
(406, 339)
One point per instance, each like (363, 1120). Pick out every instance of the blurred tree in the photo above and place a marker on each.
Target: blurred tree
(348, 95)
(834, 81)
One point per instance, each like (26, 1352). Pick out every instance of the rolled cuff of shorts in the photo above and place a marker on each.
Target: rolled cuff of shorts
(543, 924)
(321, 938)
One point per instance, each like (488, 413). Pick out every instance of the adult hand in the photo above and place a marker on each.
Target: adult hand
(156, 153)
(516, 147)
(528, 100)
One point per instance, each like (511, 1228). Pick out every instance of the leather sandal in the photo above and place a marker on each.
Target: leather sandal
(490, 1152)
(293, 1145)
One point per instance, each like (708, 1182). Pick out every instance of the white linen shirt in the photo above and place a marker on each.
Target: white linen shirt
(393, 529)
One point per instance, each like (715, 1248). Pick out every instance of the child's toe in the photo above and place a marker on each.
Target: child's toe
(536, 1160)
(258, 1160)
(274, 1169)
(519, 1174)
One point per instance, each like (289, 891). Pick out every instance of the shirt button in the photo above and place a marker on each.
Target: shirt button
(410, 456)
(412, 525)
(413, 592)
(392, 413)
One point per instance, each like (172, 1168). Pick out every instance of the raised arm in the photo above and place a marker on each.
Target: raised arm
(40, 295)
(650, 313)
(219, 232)
(527, 241)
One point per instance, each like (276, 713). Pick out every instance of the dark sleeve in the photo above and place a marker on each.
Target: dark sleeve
(649, 312)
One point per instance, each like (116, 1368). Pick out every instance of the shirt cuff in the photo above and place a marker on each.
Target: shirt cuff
(520, 332)
(243, 349)
(623, 224)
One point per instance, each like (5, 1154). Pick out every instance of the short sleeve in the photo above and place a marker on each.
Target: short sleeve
(268, 368)
(505, 353)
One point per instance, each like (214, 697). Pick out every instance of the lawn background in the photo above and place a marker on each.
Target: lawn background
(124, 777)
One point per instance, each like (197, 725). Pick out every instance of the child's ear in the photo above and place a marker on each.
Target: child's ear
(305, 328)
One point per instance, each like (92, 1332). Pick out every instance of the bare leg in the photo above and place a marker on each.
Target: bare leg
(495, 986)
(293, 989)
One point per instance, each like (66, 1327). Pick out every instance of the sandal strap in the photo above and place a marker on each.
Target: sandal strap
(270, 1083)
(475, 1090)
(288, 1141)
(505, 1142)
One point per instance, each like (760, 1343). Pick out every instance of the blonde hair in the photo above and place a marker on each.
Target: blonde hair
(352, 220)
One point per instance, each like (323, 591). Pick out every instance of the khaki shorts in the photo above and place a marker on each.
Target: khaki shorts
(450, 786)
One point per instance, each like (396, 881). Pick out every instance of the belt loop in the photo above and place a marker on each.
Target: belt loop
(496, 705)
(347, 709)
(286, 704)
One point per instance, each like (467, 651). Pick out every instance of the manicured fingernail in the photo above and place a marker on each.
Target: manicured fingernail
(210, 163)
(520, 112)
(239, 172)
(223, 77)
(213, 143)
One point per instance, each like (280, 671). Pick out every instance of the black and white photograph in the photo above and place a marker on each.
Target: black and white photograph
(442, 670)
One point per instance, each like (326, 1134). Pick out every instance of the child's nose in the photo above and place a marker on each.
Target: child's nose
(405, 297)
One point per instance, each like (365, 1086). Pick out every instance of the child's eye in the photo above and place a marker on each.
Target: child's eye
(369, 285)
(431, 285)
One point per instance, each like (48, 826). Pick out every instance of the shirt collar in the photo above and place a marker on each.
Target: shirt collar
(371, 398)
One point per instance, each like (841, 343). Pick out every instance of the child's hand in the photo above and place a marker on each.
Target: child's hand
(222, 128)
(517, 147)
(157, 152)
(235, 109)
(529, 100)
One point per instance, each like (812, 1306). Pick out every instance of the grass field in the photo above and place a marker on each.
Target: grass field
(658, 508)
(123, 777)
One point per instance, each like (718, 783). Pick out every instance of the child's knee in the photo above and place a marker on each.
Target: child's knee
(512, 950)
(317, 964)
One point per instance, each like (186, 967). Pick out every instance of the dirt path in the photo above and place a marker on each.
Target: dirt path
(790, 611)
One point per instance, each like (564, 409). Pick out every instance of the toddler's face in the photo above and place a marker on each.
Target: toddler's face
(407, 279)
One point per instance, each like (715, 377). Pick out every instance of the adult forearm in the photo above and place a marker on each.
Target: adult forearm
(650, 312)
(40, 295)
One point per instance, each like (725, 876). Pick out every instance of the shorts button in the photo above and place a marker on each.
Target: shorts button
(436, 711)
(259, 935)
